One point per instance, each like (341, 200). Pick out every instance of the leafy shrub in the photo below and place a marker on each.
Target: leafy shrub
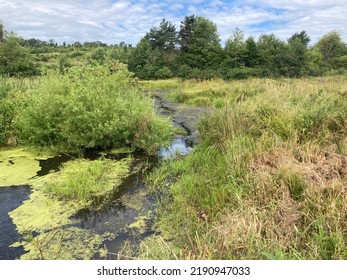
(164, 73)
(10, 103)
(240, 73)
(91, 107)
(15, 60)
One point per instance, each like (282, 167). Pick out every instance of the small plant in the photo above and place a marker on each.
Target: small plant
(219, 103)
(296, 185)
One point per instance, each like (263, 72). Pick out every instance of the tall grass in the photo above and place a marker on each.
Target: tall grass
(268, 181)
(160, 84)
(87, 182)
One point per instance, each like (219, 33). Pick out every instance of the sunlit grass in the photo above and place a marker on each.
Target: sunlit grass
(160, 84)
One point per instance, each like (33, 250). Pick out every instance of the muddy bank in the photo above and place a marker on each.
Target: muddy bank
(186, 116)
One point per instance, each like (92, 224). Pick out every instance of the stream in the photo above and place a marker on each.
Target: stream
(129, 203)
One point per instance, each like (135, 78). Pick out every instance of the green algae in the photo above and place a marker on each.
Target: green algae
(45, 218)
(17, 166)
(62, 244)
(41, 213)
(121, 150)
(135, 200)
(139, 226)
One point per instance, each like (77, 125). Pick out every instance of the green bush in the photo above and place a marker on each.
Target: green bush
(91, 107)
(15, 60)
(240, 73)
(10, 104)
(164, 73)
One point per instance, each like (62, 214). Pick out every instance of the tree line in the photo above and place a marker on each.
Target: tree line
(193, 50)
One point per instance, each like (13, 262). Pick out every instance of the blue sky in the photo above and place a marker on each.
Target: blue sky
(113, 21)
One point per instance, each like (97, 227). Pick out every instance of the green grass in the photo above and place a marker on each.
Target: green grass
(160, 84)
(88, 182)
(268, 181)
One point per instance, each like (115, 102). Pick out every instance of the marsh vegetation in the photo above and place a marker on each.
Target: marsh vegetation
(269, 179)
(266, 178)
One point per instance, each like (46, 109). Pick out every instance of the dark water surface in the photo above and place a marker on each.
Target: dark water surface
(10, 199)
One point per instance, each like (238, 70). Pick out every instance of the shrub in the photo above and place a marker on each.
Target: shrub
(10, 103)
(91, 107)
(164, 73)
(240, 73)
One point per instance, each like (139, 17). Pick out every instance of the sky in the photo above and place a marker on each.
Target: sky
(114, 21)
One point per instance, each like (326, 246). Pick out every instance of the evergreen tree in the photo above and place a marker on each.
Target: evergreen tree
(145, 61)
(236, 49)
(200, 47)
(251, 58)
(164, 38)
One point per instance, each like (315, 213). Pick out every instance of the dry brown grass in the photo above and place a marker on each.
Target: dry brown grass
(271, 220)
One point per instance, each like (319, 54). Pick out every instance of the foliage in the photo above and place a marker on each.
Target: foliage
(15, 59)
(11, 104)
(164, 73)
(164, 38)
(235, 50)
(91, 107)
(145, 61)
(200, 43)
(331, 46)
(191, 51)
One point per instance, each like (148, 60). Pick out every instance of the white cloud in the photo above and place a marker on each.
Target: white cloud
(112, 21)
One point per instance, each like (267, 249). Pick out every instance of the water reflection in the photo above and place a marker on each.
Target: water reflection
(178, 147)
(10, 199)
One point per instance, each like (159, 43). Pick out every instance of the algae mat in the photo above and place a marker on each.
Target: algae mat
(17, 166)
(45, 219)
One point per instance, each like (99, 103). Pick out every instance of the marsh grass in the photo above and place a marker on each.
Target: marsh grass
(268, 181)
(88, 182)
